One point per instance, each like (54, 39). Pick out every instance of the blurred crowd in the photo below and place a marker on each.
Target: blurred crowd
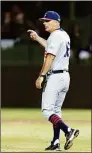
(15, 25)
(77, 48)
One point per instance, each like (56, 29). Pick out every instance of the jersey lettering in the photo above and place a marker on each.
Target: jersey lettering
(67, 50)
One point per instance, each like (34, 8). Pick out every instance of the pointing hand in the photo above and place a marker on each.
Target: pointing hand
(33, 34)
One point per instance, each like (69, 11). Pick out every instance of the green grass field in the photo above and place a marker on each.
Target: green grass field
(26, 130)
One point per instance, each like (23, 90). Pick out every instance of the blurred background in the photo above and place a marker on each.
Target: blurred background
(21, 57)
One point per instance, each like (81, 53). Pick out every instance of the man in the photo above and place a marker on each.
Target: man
(56, 75)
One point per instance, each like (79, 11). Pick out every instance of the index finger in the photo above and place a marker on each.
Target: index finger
(30, 31)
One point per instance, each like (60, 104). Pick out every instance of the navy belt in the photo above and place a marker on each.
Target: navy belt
(59, 71)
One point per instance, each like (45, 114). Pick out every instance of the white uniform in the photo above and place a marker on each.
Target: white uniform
(57, 85)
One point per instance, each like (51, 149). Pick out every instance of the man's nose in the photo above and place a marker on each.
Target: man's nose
(43, 23)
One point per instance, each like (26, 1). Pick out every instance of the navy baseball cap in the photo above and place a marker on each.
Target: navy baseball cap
(51, 15)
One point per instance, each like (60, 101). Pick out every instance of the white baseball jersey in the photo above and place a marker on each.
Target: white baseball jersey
(58, 44)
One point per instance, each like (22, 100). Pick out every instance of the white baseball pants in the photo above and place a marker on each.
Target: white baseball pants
(54, 94)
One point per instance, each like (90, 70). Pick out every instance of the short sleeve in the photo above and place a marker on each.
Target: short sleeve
(53, 44)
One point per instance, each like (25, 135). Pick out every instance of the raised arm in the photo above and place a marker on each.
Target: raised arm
(36, 37)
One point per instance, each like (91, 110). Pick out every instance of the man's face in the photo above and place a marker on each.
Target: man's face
(49, 25)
